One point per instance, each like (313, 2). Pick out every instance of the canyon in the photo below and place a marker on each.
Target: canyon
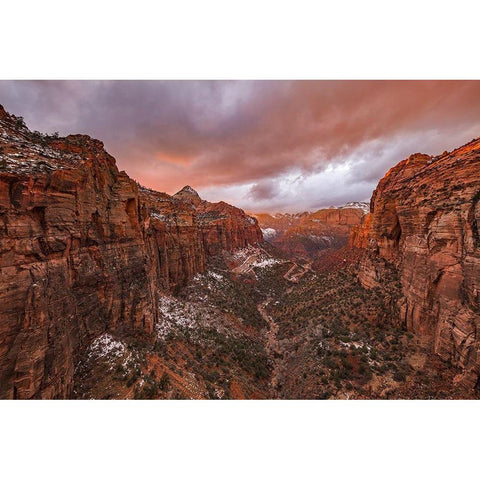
(109, 289)
(85, 250)
(424, 226)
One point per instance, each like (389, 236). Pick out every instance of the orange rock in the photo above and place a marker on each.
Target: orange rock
(84, 250)
(307, 234)
(359, 233)
(425, 226)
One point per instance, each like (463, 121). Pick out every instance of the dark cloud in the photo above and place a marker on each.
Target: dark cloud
(244, 139)
(265, 190)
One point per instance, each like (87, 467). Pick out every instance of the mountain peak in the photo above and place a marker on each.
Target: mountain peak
(188, 194)
(188, 189)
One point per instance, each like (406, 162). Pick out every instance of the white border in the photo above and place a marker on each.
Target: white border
(239, 439)
(185, 39)
(417, 39)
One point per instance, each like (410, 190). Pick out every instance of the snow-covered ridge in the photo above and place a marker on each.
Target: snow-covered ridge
(26, 152)
(361, 205)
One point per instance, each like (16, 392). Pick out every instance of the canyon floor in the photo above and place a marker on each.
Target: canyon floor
(259, 326)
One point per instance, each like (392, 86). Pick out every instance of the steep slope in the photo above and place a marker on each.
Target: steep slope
(85, 250)
(425, 217)
(189, 230)
(188, 195)
(359, 233)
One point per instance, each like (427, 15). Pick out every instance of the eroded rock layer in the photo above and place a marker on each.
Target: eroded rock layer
(425, 226)
(84, 250)
(359, 233)
(307, 234)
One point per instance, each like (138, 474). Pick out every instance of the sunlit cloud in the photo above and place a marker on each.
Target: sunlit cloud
(260, 145)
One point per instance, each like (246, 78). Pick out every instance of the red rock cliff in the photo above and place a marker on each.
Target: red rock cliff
(425, 225)
(83, 250)
(308, 233)
(359, 233)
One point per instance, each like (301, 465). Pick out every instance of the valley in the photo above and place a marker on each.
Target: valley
(110, 290)
(235, 335)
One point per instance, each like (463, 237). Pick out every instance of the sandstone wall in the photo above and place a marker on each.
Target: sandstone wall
(83, 250)
(359, 233)
(308, 234)
(425, 226)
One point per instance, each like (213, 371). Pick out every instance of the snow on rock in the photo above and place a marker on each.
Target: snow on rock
(210, 279)
(251, 257)
(106, 346)
(179, 315)
(356, 345)
(361, 205)
(243, 253)
(215, 275)
(269, 233)
(25, 152)
(319, 239)
(159, 216)
(175, 313)
(267, 262)
(188, 189)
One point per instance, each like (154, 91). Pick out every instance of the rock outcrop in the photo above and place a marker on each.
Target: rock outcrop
(425, 227)
(224, 227)
(359, 233)
(84, 250)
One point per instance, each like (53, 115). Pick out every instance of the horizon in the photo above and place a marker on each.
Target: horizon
(264, 146)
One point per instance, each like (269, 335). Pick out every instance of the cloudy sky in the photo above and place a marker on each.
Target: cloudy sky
(261, 145)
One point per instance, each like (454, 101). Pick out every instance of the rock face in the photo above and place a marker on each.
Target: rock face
(189, 195)
(84, 250)
(359, 233)
(306, 234)
(224, 227)
(425, 226)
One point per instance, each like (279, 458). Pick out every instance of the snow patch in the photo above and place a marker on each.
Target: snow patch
(269, 233)
(361, 205)
(215, 275)
(159, 216)
(175, 314)
(267, 262)
(106, 346)
(188, 189)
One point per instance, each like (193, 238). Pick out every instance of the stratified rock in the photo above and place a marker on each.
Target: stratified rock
(189, 195)
(307, 234)
(425, 227)
(359, 233)
(225, 227)
(85, 250)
